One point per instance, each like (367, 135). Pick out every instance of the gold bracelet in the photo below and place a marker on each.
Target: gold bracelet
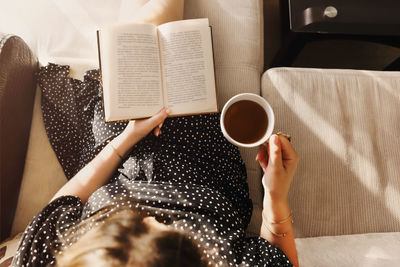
(284, 220)
(274, 233)
(115, 150)
(265, 222)
(290, 217)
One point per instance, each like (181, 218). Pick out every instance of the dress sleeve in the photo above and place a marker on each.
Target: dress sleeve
(257, 251)
(37, 243)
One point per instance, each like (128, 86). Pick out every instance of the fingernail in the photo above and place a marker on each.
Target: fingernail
(287, 136)
(160, 125)
(168, 110)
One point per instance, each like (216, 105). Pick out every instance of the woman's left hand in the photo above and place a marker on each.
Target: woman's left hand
(137, 129)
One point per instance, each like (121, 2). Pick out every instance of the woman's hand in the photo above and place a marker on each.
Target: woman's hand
(279, 162)
(137, 129)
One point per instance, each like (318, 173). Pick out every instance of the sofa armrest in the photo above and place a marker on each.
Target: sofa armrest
(17, 90)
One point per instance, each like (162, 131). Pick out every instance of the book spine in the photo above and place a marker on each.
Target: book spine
(215, 74)
(101, 73)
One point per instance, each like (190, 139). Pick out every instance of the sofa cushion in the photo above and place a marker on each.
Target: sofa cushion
(64, 32)
(345, 127)
(372, 250)
(42, 176)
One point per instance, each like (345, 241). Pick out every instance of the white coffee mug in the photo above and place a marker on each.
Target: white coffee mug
(263, 103)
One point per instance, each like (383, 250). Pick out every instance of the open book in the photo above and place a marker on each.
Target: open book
(145, 68)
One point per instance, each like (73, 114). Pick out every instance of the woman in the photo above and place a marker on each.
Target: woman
(178, 198)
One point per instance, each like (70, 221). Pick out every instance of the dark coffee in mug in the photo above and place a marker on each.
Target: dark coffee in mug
(246, 121)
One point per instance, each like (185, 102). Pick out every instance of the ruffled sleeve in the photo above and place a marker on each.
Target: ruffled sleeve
(38, 241)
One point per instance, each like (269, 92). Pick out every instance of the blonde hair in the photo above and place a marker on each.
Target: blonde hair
(124, 240)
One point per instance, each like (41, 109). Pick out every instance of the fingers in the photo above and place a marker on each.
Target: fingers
(281, 152)
(288, 151)
(159, 118)
(275, 150)
(289, 155)
(157, 131)
(162, 115)
(262, 157)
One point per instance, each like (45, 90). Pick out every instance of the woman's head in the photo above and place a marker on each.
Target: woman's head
(127, 238)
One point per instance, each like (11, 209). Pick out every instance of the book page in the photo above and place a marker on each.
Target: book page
(188, 67)
(131, 71)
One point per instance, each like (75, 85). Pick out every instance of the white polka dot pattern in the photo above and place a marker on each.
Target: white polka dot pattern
(189, 178)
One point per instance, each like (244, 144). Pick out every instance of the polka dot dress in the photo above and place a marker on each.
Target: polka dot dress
(189, 178)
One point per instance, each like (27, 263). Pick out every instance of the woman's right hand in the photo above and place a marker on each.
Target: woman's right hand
(279, 162)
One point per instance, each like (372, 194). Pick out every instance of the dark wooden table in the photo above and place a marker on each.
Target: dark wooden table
(304, 21)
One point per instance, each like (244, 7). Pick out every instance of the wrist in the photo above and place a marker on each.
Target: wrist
(127, 138)
(122, 144)
(275, 195)
(276, 210)
(115, 150)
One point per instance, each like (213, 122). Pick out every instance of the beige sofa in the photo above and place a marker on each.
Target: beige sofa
(344, 124)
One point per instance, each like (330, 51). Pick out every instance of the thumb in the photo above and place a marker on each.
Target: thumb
(158, 118)
(275, 150)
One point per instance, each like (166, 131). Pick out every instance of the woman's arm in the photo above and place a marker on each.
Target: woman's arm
(97, 172)
(279, 162)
